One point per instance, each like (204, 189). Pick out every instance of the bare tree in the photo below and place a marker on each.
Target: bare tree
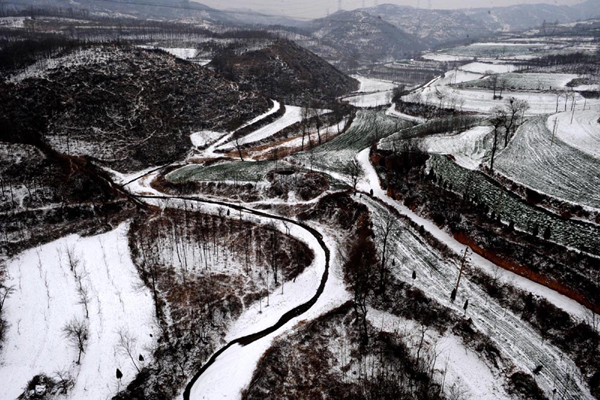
(127, 345)
(353, 170)
(498, 121)
(76, 331)
(493, 80)
(514, 109)
(384, 228)
(238, 147)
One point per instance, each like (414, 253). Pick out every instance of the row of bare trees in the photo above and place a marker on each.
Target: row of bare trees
(506, 119)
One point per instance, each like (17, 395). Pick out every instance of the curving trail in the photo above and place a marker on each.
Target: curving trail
(295, 312)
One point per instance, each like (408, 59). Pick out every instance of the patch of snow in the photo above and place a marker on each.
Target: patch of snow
(46, 297)
(203, 138)
(468, 148)
(483, 68)
(369, 85)
(583, 133)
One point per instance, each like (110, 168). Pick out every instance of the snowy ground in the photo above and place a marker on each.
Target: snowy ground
(395, 113)
(13, 22)
(464, 368)
(529, 81)
(232, 371)
(453, 77)
(210, 151)
(43, 67)
(479, 100)
(46, 298)
(371, 100)
(518, 341)
(369, 85)
(468, 148)
(534, 159)
(292, 115)
(485, 68)
(203, 138)
(583, 133)
(183, 53)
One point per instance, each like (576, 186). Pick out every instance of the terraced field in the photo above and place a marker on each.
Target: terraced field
(550, 166)
(533, 81)
(231, 171)
(574, 234)
(367, 128)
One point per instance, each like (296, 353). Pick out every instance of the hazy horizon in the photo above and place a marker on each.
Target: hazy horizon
(302, 9)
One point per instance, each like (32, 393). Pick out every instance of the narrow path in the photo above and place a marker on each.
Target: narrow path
(371, 182)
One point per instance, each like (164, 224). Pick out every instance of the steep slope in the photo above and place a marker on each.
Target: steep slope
(364, 37)
(286, 71)
(127, 108)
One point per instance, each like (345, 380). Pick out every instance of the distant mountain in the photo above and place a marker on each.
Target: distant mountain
(143, 9)
(286, 71)
(249, 17)
(361, 36)
(440, 26)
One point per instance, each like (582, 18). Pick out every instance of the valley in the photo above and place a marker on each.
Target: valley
(207, 210)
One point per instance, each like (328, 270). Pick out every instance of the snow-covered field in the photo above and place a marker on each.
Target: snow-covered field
(519, 343)
(478, 100)
(485, 68)
(453, 77)
(465, 370)
(47, 297)
(13, 22)
(183, 53)
(371, 100)
(292, 115)
(583, 133)
(553, 167)
(203, 138)
(468, 148)
(368, 85)
(371, 181)
(395, 113)
(529, 81)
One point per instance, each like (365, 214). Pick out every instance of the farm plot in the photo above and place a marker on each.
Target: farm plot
(292, 115)
(368, 127)
(369, 85)
(583, 133)
(485, 68)
(50, 284)
(533, 81)
(231, 171)
(478, 100)
(568, 233)
(468, 148)
(550, 166)
(371, 100)
(493, 50)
